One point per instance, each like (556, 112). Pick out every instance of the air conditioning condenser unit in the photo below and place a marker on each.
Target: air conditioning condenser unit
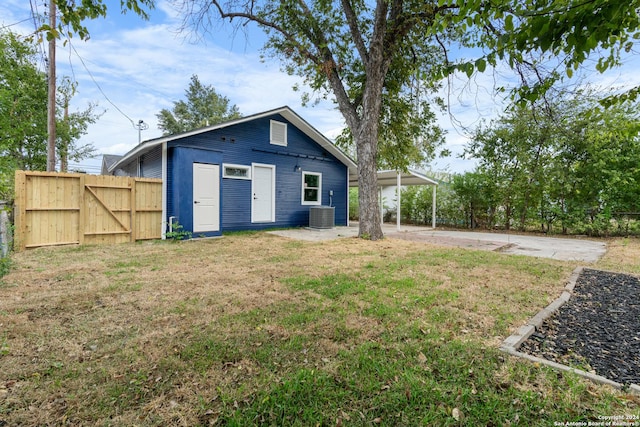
(322, 217)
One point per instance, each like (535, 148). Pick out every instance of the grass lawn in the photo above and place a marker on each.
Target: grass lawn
(255, 329)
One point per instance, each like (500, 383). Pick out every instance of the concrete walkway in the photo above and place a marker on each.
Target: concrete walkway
(566, 249)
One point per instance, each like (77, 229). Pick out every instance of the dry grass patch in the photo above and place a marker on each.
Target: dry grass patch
(623, 256)
(259, 329)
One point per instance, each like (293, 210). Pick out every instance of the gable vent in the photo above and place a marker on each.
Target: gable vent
(278, 133)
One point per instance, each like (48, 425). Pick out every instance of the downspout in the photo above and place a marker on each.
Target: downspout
(381, 204)
(348, 197)
(163, 224)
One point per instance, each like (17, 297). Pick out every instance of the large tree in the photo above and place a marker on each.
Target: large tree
(360, 52)
(203, 107)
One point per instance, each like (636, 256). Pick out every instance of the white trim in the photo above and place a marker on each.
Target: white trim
(273, 190)
(247, 168)
(280, 127)
(312, 203)
(163, 223)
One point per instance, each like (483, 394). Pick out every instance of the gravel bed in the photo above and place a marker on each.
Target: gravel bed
(597, 330)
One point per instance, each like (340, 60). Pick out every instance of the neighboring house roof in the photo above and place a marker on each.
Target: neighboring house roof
(390, 178)
(108, 160)
(285, 112)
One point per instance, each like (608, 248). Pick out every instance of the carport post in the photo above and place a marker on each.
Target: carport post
(433, 212)
(381, 204)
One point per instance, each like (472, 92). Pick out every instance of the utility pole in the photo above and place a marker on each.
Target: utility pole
(51, 104)
(141, 125)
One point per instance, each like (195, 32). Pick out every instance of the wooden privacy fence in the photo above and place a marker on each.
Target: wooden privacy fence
(61, 209)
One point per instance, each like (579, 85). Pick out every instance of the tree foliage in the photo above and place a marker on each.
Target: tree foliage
(73, 15)
(23, 111)
(567, 165)
(23, 115)
(526, 35)
(203, 107)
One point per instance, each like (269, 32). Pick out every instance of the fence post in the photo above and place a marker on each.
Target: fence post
(20, 211)
(132, 204)
(5, 233)
(82, 209)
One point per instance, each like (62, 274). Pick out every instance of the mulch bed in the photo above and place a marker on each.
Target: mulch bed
(597, 330)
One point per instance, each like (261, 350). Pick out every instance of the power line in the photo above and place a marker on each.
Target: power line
(15, 23)
(98, 86)
(87, 167)
(115, 73)
(37, 23)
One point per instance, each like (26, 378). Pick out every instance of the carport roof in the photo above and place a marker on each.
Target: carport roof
(388, 178)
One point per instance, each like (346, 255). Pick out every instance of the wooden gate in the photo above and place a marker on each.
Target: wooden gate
(62, 209)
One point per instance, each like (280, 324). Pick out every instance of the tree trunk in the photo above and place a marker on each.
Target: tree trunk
(365, 131)
(367, 147)
(507, 217)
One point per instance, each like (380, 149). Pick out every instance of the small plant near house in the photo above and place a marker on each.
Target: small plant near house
(178, 232)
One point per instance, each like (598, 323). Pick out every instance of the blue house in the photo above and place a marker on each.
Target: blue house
(262, 171)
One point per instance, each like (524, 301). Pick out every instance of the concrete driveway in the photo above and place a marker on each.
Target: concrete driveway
(566, 249)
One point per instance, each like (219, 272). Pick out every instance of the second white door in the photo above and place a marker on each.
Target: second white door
(263, 193)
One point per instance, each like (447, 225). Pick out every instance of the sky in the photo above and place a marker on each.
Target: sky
(132, 69)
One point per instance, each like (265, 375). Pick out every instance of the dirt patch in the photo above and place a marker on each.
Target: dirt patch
(448, 241)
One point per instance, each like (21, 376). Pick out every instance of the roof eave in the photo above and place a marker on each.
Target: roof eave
(285, 111)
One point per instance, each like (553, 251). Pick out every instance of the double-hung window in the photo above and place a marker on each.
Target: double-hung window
(311, 188)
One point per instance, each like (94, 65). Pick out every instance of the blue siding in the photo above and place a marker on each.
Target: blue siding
(180, 162)
(248, 143)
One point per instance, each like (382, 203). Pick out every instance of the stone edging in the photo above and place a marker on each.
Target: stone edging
(511, 344)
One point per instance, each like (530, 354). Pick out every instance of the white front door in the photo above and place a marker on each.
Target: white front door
(206, 197)
(263, 204)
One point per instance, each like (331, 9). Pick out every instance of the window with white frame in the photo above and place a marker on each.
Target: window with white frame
(236, 171)
(278, 134)
(311, 188)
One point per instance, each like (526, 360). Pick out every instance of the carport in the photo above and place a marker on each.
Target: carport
(388, 178)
